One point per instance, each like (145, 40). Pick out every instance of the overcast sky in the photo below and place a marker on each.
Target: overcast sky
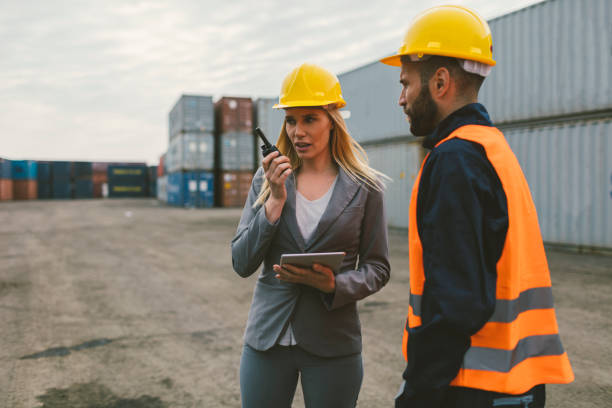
(95, 80)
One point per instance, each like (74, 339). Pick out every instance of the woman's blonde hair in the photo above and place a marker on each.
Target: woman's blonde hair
(345, 152)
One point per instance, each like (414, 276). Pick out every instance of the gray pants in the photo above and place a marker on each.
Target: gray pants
(268, 379)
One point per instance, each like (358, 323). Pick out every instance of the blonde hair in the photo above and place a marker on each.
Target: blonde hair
(345, 152)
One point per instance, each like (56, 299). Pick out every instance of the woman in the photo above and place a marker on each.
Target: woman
(316, 195)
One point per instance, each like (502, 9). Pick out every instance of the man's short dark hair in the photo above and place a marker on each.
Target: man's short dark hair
(429, 66)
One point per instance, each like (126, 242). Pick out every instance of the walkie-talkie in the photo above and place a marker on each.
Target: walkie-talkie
(267, 147)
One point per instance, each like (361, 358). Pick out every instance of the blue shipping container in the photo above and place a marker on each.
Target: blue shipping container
(191, 189)
(174, 189)
(61, 189)
(81, 170)
(60, 171)
(23, 170)
(127, 181)
(5, 169)
(83, 189)
(44, 180)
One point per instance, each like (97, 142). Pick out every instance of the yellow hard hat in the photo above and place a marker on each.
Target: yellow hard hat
(450, 31)
(310, 85)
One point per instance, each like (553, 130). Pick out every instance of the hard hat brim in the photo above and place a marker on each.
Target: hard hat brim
(393, 60)
(309, 104)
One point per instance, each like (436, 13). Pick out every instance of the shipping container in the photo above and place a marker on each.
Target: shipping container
(162, 194)
(198, 189)
(372, 113)
(269, 120)
(82, 170)
(190, 189)
(6, 182)
(97, 189)
(25, 189)
(161, 168)
(61, 185)
(233, 188)
(174, 189)
(191, 113)
(152, 180)
(5, 169)
(83, 188)
(553, 59)
(23, 170)
(236, 151)
(569, 170)
(233, 114)
(191, 151)
(400, 160)
(6, 189)
(44, 180)
(127, 181)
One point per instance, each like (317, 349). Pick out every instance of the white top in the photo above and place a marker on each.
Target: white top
(308, 214)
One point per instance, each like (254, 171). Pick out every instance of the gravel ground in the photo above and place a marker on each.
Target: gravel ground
(127, 303)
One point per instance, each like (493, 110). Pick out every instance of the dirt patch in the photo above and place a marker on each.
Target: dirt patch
(64, 351)
(93, 395)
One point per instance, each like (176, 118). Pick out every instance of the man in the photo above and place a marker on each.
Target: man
(481, 328)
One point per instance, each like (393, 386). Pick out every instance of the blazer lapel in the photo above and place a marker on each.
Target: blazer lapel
(290, 218)
(343, 193)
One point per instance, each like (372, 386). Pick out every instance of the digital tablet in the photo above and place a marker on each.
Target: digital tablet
(333, 260)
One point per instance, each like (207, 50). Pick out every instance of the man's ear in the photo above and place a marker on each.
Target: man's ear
(440, 82)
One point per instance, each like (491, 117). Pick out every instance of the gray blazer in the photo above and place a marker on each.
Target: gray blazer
(325, 325)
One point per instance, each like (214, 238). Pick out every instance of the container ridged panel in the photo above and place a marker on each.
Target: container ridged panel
(569, 170)
(400, 161)
(371, 93)
(553, 59)
(191, 113)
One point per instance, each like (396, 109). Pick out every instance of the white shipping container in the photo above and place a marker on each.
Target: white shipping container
(191, 151)
(269, 120)
(162, 194)
(192, 113)
(569, 170)
(236, 151)
(553, 59)
(400, 160)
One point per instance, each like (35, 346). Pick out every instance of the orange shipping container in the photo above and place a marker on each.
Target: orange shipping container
(25, 189)
(234, 114)
(6, 189)
(234, 188)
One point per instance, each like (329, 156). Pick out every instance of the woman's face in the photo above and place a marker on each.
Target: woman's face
(309, 131)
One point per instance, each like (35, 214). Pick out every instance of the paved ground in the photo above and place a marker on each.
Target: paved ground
(108, 304)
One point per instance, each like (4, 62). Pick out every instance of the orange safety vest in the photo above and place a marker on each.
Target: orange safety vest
(519, 347)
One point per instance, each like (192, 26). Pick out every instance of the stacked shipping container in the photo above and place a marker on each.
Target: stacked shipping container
(127, 181)
(82, 177)
(6, 182)
(24, 175)
(555, 113)
(190, 159)
(235, 150)
(44, 180)
(61, 187)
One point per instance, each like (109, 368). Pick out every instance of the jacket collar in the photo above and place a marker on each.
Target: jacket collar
(344, 191)
(471, 114)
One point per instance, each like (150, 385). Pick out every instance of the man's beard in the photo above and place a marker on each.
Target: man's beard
(423, 113)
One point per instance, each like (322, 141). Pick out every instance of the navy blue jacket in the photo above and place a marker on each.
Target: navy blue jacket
(462, 220)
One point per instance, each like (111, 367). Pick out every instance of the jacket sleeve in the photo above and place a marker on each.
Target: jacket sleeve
(462, 222)
(373, 270)
(254, 233)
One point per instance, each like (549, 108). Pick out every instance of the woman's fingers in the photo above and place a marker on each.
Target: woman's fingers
(266, 160)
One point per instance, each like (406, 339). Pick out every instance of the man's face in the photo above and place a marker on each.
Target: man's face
(416, 101)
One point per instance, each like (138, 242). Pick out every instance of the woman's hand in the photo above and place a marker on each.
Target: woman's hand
(320, 276)
(277, 168)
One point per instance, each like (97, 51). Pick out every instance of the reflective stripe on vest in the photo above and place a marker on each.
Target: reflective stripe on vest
(519, 346)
